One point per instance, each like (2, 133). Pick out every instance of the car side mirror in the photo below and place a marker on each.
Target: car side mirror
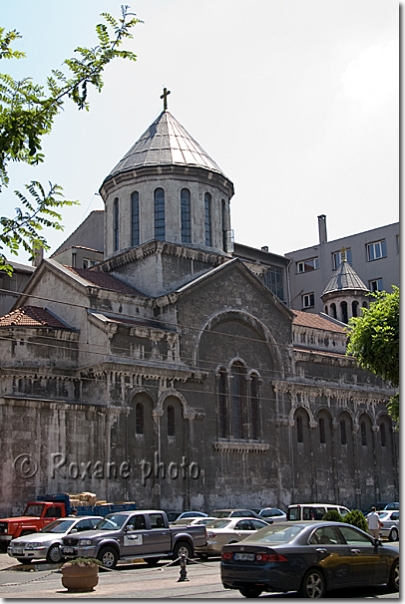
(74, 530)
(377, 542)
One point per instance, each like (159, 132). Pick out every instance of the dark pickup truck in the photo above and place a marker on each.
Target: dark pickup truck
(131, 535)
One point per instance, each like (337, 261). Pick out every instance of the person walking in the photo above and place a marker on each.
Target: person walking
(374, 523)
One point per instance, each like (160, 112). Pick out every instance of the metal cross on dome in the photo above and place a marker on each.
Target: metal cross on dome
(164, 97)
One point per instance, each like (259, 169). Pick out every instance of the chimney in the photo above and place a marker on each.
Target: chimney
(265, 248)
(323, 238)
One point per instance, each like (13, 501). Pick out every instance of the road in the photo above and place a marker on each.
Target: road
(140, 581)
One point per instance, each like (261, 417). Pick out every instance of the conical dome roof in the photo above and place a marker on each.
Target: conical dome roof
(165, 143)
(344, 278)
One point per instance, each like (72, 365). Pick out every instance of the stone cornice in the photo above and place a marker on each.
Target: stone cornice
(338, 391)
(240, 447)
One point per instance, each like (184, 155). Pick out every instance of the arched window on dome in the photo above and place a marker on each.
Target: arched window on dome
(185, 201)
(116, 224)
(135, 218)
(207, 219)
(343, 310)
(355, 308)
(159, 198)
(333, 310)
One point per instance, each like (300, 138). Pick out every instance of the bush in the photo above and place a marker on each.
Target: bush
(333, 516)
(356, 518)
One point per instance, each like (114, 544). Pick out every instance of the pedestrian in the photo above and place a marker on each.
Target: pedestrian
(73, 512)
(374, 523)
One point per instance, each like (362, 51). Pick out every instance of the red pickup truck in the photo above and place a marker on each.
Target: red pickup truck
(36, 515)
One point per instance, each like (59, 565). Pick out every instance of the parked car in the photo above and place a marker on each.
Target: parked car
(381, 505)
(172, 516)
(205, 520)
(308, 557)
(227, 530)
(390, 521)
(394, 505)
(274, 514)
(191, 515)
(45, 543)
(313, 511)
(234, 512)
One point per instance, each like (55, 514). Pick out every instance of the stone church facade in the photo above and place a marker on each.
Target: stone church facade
(171, 374)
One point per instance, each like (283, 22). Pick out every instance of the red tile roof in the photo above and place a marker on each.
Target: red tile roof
(103, 280)
(307, 319)
(32, 316)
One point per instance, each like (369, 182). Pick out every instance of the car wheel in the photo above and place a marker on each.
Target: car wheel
(393, 536)
(108, 557)
(393, 583)
(250, 592)
(313, 585)
(152, 561)
(182, 548)
(54, 554)
(24, 560)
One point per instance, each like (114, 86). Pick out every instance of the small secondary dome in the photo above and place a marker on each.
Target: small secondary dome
(344, 278)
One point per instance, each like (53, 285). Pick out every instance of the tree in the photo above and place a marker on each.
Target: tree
(27, 113)
(374, 340)
(356, 518)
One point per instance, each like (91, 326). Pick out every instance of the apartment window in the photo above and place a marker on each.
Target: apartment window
(170, 421)
(135, 218)
(185, 216)
(375, 285)
(139, 418)
(308, 300)
(159, 214)
(207, 219)
(308, 265)
(273, 279)
(376, 250)
(337, 258)
(116, 224)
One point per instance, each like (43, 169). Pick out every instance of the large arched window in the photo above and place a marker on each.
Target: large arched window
(254, 407)
(300, 430)
(116, 224)
(343, 436)
(185, 216)
(363, 432)
(322, 436)
(171, 425)
(207, 219)
(383, 435)
(159, 198)
(238, 400)
(139, 419)
(135, 218)
(222, 403)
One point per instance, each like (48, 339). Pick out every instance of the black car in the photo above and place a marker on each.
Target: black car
(309, 557)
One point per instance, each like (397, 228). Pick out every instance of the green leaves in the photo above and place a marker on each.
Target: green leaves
(27, 113)
(374, 340)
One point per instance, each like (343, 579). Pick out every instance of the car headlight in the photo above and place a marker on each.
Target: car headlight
(33, 545)
(84, 541)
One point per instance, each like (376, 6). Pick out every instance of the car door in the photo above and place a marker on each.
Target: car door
(135, 540)
(243, 528)
(332, 554)
(159, 536)
(368, 566)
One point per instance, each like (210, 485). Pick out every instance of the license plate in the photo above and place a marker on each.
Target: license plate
(248, 557)
(18, 551)
(67, 550)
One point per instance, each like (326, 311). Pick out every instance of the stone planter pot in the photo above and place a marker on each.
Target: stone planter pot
(79, 577)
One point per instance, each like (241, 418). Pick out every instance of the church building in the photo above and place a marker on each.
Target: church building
(173, 373)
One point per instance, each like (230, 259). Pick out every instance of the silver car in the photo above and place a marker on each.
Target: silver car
(390, 522)
(45, 543)
(227, 530)
(274, 514)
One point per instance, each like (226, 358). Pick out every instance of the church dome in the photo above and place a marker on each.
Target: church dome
(166, 142)
(344, 278)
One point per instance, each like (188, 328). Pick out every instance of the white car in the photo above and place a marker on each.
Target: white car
(390, 521)
(227, 530)
(45, 543)
(274, 514)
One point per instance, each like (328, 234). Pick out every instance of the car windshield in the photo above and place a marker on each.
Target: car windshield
(383, 514)
(220, 523)
(221, 513)
(58, 526)
(276, 533)
(112, 522)
(33, 510)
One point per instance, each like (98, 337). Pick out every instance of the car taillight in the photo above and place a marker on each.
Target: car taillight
(227, 555)
(211, 534)
(263, 557)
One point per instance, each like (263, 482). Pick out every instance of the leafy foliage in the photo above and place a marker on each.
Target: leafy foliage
(356, 518)
(27, 114)
(374, 340)
(84, 562)
(333, 516)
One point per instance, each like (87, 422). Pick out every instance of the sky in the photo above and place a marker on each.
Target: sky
(297, 101)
